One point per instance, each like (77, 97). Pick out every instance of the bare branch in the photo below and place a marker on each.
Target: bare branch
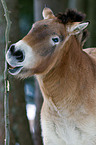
(6, 103)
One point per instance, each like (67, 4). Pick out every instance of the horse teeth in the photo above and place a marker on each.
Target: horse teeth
(10, 67)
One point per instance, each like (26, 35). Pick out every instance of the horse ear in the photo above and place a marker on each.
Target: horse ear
(47, 13)
(77, 28)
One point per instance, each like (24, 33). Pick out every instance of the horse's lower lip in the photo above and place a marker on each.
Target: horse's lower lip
(14, 70)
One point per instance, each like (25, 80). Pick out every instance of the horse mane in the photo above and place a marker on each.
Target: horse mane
(70, 16)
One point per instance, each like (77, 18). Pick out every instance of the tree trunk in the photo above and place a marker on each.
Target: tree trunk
(37, 129)
(89, 8)
(18, 122)
(72, 4)
(91, 5)
(19, 127)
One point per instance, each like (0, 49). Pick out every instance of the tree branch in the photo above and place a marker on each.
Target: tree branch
(6, 84)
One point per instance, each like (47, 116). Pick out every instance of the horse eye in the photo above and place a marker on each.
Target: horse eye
(55, 40)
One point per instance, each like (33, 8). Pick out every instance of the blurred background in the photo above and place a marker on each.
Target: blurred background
(25, 99)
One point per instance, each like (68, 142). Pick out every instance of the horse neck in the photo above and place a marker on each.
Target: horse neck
(62, 80)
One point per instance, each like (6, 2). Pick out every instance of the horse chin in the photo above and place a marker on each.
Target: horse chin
(24, 73)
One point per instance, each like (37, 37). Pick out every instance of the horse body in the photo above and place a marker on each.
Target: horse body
(71, 118)
(66, 76)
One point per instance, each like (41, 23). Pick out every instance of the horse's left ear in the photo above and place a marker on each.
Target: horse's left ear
(47, 13)
(77, 28)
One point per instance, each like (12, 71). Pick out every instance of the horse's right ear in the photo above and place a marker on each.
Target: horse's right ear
(47, 13)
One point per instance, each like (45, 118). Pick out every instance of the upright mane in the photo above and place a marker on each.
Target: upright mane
(71, 16)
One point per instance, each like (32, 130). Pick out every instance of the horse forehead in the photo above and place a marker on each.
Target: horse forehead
(47, 23)
(46, 26)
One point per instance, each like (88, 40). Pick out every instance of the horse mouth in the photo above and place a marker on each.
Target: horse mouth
(14, 70)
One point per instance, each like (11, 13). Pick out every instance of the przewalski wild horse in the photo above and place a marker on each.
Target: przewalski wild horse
(66, 76)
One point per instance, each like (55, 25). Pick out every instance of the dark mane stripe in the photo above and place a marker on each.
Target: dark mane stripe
(70, 16)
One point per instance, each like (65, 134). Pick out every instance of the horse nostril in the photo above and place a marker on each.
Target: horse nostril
(12, 49)
(19, 55)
